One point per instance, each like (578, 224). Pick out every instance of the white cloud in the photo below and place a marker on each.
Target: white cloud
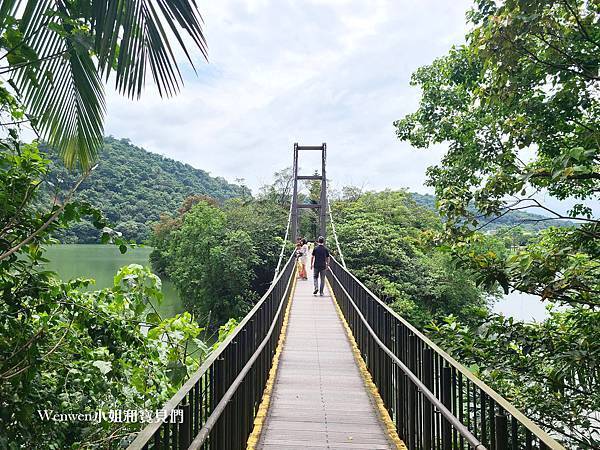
(282, 71)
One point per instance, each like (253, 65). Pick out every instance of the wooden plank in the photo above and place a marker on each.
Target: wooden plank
(319, 399)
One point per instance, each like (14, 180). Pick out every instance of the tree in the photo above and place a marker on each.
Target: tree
(280, 190)
(264, 222)
(519, 109)
(57, 52)
(549, 370)
(525, 83)
(70, 349)
(211, 268)
(64, 347)
(385, 240)
(221, 257)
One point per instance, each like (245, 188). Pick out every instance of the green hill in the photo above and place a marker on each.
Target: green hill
(528, 221)
(133, 187)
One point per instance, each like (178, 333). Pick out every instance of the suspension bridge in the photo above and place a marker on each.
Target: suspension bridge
(342, 371)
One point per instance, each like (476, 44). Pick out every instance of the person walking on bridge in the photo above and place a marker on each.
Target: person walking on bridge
(304, 259)
(300, 261)
(319, 263)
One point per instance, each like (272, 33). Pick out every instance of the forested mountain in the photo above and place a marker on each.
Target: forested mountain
(133, 187)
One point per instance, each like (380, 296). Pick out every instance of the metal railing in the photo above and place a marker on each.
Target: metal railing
(435, 402)
(221, 399)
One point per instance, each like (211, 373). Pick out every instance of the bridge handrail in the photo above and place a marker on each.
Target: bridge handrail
(530, 426)
(472, 440)
(216, 414)
(150, 431)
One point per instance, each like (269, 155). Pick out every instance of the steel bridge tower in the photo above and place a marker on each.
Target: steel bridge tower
(321, 206)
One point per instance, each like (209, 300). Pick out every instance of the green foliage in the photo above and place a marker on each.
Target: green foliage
(519, 109)
(211, 267)
(65, 348)
(24, 225)
(548, 370)
(132, 187)
(384, 237)
(264, 222)
(280, 190)
(510, 93)
(69, 350)
(58, 52)
(557, 265)
(220, 258)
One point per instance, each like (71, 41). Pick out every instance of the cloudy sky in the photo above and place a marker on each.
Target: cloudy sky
(310, 71)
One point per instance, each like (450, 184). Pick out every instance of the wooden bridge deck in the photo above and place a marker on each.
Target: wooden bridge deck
(319, 398)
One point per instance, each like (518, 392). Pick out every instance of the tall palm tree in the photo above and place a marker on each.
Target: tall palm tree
(58, 54)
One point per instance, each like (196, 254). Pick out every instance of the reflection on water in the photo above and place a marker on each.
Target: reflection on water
(101, 263)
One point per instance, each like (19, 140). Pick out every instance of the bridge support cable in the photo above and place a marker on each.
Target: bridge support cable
(337, 243)
(287, 232)
(290, 214)
(436, 402)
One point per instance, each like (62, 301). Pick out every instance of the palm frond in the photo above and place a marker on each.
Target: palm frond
(62, 89)
(141, 28)
(79, 43)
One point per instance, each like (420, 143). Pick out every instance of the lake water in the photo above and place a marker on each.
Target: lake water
(525, 307)
(101, 262)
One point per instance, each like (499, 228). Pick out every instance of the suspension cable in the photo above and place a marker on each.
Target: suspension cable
(287, 232)
(335, 235)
